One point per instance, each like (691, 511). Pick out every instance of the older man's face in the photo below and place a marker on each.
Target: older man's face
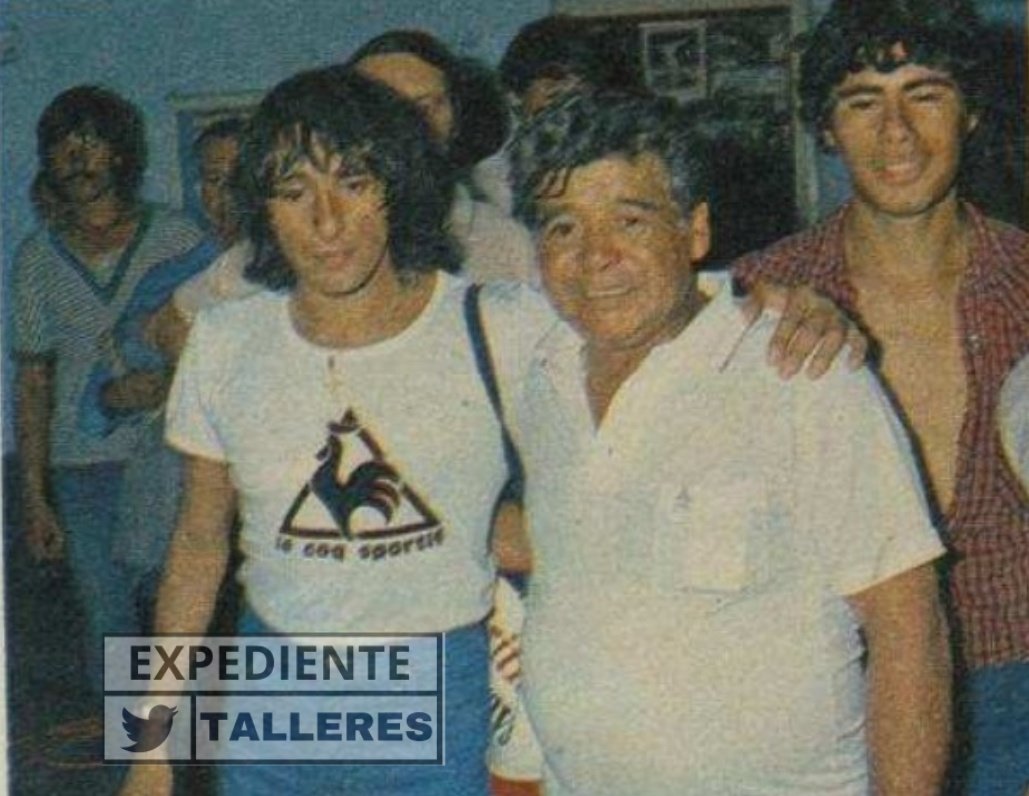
(616, 252)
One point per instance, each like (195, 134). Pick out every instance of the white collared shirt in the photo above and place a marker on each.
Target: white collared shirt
(687, 628)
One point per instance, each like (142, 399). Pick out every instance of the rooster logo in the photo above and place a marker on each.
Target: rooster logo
(373, 484)
(355, 492)
(148, 733)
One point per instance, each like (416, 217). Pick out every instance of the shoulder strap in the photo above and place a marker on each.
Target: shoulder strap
(484, 363)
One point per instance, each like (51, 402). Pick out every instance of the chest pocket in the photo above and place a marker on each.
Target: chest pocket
(705, 533)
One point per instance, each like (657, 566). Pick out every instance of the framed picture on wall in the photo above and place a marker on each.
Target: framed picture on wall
(675, 58)
(730, 68)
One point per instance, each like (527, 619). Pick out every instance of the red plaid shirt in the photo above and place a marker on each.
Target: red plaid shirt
(987, 525)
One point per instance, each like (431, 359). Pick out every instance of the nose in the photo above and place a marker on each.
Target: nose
(74, 150)
(599, 247)
(896, 125)
(327, 214)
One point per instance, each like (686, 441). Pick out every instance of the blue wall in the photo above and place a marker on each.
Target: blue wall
(148, 49)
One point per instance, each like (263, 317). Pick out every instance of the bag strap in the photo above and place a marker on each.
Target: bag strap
(484, 363)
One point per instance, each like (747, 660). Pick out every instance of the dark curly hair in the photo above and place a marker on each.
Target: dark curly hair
(555, 47)
(114, 119)
(375, 132)
(480, 112)
(231, 127)
(584, 127)
(860, 34)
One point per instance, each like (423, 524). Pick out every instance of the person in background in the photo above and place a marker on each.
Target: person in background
(73, 278)
(467, 116)
(733, 590)
(545, 59)
(899, 88)
(216, 152)
(146, 339)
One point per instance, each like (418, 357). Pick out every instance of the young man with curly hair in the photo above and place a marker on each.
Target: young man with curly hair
(898, 89)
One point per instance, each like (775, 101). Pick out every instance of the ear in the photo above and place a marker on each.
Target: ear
(971, 123)
(699, 229)
(828, 140)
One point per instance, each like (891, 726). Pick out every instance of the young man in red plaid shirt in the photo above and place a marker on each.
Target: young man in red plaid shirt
(895, 88)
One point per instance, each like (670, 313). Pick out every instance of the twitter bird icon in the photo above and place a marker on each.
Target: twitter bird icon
(148, 733)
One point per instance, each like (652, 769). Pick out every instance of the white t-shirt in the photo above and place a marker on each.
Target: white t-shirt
(222, 280)
(495, 246)
(366, 476)
(1014, 419)
(686, 628)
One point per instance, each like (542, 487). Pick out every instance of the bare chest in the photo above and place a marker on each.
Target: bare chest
(923, 363)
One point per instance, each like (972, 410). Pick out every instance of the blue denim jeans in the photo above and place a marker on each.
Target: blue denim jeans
(466, 720)
(995, 704)
(87, 503)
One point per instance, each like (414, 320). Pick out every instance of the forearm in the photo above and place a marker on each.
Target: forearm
(34, 401)
(193, 575)
(139, 390)
(167, 330)
(199, 553)
(511, 548)
(909, 714)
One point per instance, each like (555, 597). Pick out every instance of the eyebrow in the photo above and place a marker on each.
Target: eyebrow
(912, 85)
(641, 204)
(549, 209)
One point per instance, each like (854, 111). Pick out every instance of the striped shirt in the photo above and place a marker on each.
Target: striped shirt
(987, 524)
(64, 311)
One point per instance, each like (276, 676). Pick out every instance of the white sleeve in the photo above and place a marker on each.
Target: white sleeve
(858, 490)
(497, 248)
(191, 425)
(1013, 417)
(516, 317)
(223, 280)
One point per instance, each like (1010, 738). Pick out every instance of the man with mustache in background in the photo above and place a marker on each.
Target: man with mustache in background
(72, 280)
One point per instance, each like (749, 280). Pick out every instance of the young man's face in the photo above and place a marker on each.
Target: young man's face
(418, 82)
(616, 252)
(331, 226)
(217, 162)
(81, 167)
(900, 136)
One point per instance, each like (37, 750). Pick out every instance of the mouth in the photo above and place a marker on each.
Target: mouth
(78, 176)
(606, 293)
(335, 258)
(899, 171)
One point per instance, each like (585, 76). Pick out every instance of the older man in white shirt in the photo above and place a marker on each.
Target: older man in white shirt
(716, 550)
